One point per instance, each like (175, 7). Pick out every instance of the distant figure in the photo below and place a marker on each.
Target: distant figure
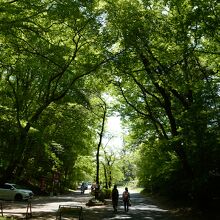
(126, 199)
(83, 187)
(93, 187)
(115, 196)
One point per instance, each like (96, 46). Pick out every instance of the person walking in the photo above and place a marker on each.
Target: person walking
(115, 196)
(83, 186)
(126, 199)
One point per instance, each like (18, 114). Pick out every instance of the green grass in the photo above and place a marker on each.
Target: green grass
(8, 218)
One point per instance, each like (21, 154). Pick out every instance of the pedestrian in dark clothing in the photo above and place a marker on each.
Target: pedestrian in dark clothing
(126, 199)
(115, 196)
(82, 188)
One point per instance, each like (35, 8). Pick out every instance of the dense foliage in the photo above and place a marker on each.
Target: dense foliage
(47, 51)
(168, 78)
(159, 58)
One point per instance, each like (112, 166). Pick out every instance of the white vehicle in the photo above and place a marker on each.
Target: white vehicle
(10, 191)
(89, 185)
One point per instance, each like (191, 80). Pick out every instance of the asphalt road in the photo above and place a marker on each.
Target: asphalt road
(45, 208)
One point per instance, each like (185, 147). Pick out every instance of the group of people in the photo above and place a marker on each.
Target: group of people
(125, 198)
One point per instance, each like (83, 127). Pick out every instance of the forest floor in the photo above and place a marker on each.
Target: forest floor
(143, 207)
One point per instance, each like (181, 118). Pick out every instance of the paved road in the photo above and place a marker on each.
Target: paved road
(46, 208)
(142, 208)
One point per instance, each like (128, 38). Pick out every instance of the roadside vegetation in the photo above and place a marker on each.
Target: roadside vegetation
(8, 218)
(66, 67)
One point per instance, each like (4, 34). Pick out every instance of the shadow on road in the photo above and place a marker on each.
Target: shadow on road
(142, 208)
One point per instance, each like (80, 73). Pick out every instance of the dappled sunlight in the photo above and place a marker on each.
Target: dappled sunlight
(120, 217)
(96, 207)
(148, 207)
(142, 208)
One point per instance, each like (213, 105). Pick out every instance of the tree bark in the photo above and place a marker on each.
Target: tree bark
(100, 141)
(166, 105)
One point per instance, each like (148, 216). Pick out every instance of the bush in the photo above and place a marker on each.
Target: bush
(107, 193)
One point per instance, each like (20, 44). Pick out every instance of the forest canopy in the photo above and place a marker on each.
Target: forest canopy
(160, 61)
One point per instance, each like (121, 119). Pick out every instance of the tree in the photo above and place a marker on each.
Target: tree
(107, 163)
(163, 77)
(48, 51)
(69, 129)
(102, 108)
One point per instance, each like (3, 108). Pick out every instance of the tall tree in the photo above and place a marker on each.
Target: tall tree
(49, 47)
(103, 110)
(163, 75)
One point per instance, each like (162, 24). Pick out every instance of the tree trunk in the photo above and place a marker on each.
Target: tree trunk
(15, 164)
(100, 142)
(106, 176)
